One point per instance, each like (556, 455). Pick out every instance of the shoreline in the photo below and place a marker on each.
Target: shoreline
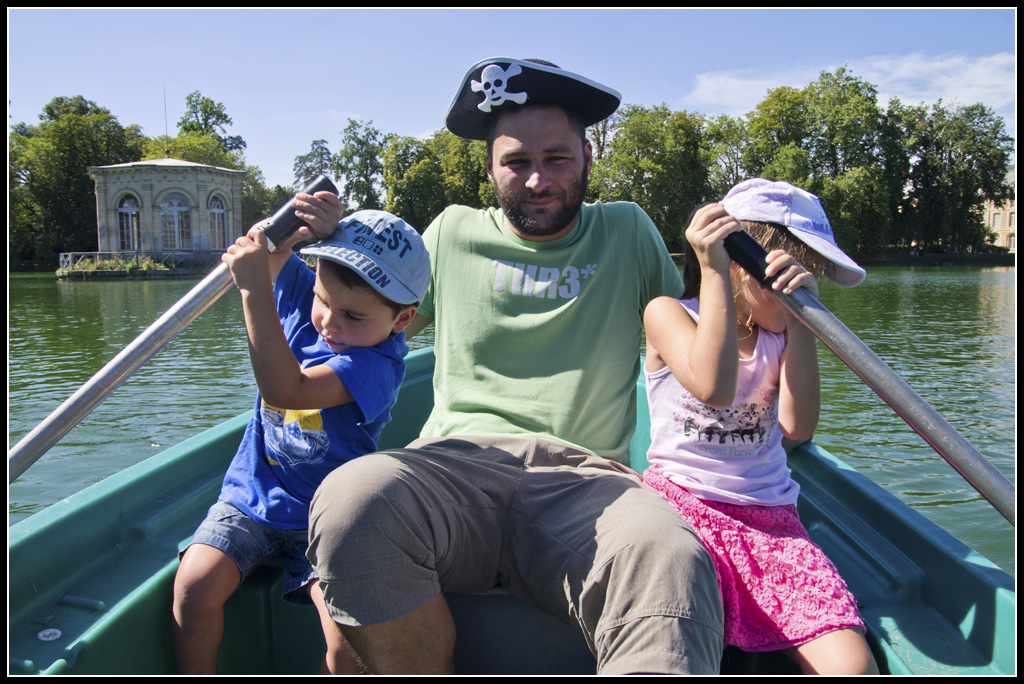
(935, 259)
(143, 274)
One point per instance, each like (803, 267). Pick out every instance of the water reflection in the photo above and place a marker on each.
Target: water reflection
(949, 332)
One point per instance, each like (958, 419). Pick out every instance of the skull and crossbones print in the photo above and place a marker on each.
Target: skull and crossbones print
(495, 82)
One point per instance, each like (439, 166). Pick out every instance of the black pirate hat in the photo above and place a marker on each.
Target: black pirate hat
(492, 84)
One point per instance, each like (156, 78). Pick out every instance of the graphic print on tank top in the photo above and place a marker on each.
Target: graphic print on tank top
(738, 429)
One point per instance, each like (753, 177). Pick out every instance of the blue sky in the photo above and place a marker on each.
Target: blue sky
(288, 77)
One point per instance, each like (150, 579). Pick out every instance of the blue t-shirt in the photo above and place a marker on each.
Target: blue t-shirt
(286, 454)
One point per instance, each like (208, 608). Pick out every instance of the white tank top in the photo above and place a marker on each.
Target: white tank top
(733, 454)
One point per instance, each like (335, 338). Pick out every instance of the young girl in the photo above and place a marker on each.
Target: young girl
(729, 374)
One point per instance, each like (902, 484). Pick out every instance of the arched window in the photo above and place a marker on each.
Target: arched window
(176, 222)
(128, 223)
(218, 223)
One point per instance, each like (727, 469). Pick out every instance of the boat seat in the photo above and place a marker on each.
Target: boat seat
(494, 630)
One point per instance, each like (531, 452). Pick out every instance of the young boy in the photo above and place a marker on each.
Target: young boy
(327, 353)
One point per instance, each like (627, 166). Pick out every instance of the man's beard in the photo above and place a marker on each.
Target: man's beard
(547, 224)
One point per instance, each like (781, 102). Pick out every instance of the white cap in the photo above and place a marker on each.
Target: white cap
(778, 202)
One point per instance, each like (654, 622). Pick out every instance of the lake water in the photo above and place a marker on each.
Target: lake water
(949, 331)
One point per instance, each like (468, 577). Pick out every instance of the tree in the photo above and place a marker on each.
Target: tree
(53, 198)
(317, 162)
(359, 163)
(726, 140)
(658, 159)
(842, 123)
(856, 205)
(961, 157)
(59, 106)
(424, 177)
(259, 201)
(780, 119)
(22, 209)
(415, 183)
(792, 164)
(201, 148)
(895, 132)
(601, 134)
(833, 139)
(463, 170)
(203, 115)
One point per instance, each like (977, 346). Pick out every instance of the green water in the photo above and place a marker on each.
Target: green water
(949, 331)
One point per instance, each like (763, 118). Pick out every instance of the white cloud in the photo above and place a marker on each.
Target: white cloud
(914, 78)
(738, 92)
(343, 114)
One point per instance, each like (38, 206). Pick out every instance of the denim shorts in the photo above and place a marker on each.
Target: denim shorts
(250, 544)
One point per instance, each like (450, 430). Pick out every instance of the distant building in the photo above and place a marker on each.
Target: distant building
(167, 205)
(1002, 219)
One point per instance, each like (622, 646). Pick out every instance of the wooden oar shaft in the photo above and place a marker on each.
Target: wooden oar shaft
(907, 403)
(89, 395)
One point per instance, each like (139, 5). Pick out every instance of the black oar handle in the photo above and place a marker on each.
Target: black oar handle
(284, 222)
(748, 253)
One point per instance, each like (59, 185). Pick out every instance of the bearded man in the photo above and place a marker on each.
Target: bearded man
(518, 478)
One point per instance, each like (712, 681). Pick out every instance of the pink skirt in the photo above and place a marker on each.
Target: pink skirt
(778, 588)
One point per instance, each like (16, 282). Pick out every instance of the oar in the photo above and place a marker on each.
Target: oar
(907, 403)
(33, 445)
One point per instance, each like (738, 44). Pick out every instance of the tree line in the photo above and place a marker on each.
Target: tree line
(888, 178)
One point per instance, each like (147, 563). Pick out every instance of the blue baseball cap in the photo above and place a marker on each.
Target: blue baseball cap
(384, 250)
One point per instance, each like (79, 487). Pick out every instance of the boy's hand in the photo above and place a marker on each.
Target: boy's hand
(706, 234)
(791, 275)
(249, 261)
(321, 212)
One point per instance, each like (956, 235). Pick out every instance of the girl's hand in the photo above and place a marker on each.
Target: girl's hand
(249, 260)
(791, 275)
(706, 234)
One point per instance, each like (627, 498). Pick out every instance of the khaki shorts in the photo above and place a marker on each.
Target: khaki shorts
(572, 533)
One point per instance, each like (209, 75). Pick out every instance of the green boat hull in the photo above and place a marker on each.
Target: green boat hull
(90, 578)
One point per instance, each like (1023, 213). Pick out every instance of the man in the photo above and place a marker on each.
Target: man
(538, 310)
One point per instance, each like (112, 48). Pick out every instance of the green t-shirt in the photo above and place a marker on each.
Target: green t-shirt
(542, 338)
